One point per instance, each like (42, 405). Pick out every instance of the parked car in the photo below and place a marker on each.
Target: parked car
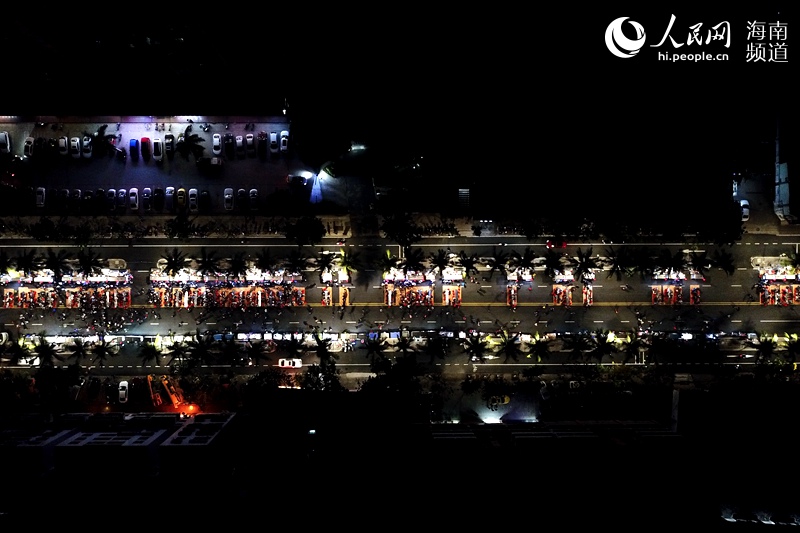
(147, 203)
(169, 144)
(240, 146)
(193, 205)
(262, 143)
(86, 146)
(40, 196)
(158, 150)
(122, 199)
(284, 141)
(229, 145)
(250, 144)
(241, 199)
(111, 199)
(5, 143)
(75, 147)
(273, 142)
(180, 198)
(133, 195)
(253, 200)
(228, 199)
(204, 202)
(745, 205)
(216, 144)
(169, 198)
(145, 148)
(63, 145)
(123, 392)
(158, 199)
(75, 198)
(27, 148)
(133, 148)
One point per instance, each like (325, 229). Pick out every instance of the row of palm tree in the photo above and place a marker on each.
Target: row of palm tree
(86, 262)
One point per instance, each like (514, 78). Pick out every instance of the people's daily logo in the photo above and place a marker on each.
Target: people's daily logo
(618, 44)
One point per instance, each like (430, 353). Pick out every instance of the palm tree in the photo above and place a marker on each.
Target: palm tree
(604, 345)
(644, 262)
(149, 353)
(437, 347)
(175, 261)
(578, 344)
(28, 261)
(540, 347)
(265, 262)
(667, 260)
(619, 262)
(201, 350)
(476, 348)
(80, 349)
(101, 141)
(189, 143)
(498, 262)
(387, 261)
(723, 259)
(525, 260)
(413, 260)
(375, 347)
(177, 350)
(440, 260)
(634, 345)
(401, 229)
(468, 262)
(15, 352)
(323, 351)
(765, 346)
(207, 262)
(89, 263)
(553, 263)
(583, 265)
(509, 346)
(297, 262)
(102, 350)
(350, 262)
(58, 262)
(237, 266)
(405, 347)
(325, 261)
(257, 352)
(6, 262)
(699, 262)
(45, 351)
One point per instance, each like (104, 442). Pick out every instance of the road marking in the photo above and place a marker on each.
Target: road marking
(154, 323)
(36, 324)
(433, 321)
(598, 321)
(486, 286)
(779, 320)
(211, 323)
(351, 322)
(739, 285)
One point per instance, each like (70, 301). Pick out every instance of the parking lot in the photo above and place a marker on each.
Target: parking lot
(70, 183)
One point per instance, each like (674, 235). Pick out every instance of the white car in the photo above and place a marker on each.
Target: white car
(86, 146)
(123, 392)
(240, 145)
(273, 142)
(216, 144)
(228, 199)
(193, 200)
(63, 146)
(158, 149)
(290, 363)
(284, 141)
(133, 195)
(169, 198)
(250, 144)
(75, 147)
(27, 149)
(745, 204)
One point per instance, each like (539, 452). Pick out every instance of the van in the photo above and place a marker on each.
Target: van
(5, 143)
(158, 149)
(133, 148)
